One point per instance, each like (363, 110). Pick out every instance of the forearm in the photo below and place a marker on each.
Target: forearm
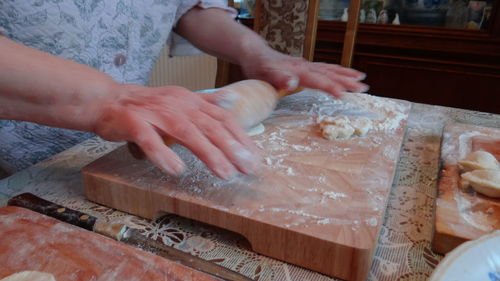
(39, 87)
(215, 32)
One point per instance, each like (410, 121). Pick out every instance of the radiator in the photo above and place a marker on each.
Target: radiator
(192, 72)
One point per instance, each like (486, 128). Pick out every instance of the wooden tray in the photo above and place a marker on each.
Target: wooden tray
(463, 215)
(316, 203)
(34, 242)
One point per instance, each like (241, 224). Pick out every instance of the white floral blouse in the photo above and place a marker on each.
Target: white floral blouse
(122, 38)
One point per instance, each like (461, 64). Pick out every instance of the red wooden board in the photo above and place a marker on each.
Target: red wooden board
(463, 215)
(34, 242)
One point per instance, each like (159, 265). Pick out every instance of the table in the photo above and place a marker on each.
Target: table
(403, 251)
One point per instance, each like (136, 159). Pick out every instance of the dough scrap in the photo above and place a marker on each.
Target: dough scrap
(340, 127)
(334, 120)
(486, 182)
(332, 132)
(30, 276)
(361, 125)
(479, 160)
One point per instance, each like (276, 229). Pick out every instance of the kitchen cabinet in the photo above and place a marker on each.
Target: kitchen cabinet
(426, 58)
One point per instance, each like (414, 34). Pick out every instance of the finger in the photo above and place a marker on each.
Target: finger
(351, 84)
(146, 137)
(229, 121)
(340, 70)
(323, 83)
(243, 159)
(336, 74)
(188, 134)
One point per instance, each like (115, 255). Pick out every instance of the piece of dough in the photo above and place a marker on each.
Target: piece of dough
(30, 276)
(361, 125)
(339, 120)
(486, 182)
(332, 132)
(340, 127)
(256, 130)
(479, 160)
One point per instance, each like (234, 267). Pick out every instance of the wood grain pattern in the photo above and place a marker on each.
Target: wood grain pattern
(463, 215)
(316, 203)
(31, 241)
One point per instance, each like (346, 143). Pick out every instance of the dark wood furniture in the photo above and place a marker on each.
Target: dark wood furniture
(433, 65)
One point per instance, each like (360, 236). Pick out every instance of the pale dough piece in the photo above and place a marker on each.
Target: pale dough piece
(332, 132)
(339, 120)
(486, 182)
(340, 127)
(257, 130)
(479, 160)
(30, 276)
(361, 125)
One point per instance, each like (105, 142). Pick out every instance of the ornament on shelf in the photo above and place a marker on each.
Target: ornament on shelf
(372, 16)
(345, 16)
(383, 18)
(396, 20)
(362, 16)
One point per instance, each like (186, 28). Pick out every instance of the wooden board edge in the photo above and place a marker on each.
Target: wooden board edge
(345, 257)
(444, 243)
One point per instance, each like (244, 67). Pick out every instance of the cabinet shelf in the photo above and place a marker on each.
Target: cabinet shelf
(427, 64)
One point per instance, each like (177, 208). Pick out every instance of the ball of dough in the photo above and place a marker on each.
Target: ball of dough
(486, 182)
(332, 132)
(339, 120)
(361, 125)
(479, 160)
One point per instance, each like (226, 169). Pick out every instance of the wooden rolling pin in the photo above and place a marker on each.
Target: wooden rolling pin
(251, 101)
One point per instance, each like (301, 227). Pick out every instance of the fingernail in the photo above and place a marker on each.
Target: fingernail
(362, 76)
(292, 84)
(176, 169)
(178, 166)
(247, 160)
(364, 89)
(225, 172)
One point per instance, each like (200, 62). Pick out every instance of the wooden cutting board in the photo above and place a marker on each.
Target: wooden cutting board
(34, 242)
(316, 203)
(463, 215)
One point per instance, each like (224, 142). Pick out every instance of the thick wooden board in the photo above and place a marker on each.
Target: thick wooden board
(34, 242)
(463, 215)
(316, 203)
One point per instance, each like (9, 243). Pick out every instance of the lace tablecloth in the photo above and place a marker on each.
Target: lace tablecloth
(403, 251)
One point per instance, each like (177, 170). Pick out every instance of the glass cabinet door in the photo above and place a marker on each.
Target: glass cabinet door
(461, 14)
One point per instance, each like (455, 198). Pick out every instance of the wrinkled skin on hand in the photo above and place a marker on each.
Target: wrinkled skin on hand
(144, 115)
(286, 72)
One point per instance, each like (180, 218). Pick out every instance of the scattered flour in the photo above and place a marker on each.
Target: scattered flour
(277, 143)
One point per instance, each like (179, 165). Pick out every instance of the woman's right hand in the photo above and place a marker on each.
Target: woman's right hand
(144, 115)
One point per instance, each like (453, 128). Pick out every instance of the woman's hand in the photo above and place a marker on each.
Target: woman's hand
(144, 115)
(215, 32)
(286, 72)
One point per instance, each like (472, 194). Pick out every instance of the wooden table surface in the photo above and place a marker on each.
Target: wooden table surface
(403, 251)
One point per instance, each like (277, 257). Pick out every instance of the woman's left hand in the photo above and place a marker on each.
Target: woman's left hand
(287, 72)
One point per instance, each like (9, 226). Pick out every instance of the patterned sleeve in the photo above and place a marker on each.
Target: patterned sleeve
(180, 46)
